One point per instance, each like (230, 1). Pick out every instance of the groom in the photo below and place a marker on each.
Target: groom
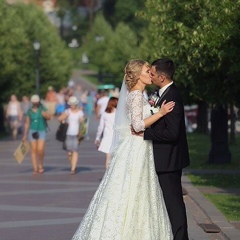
(170, 146)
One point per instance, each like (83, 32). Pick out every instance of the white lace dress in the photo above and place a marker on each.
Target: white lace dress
(128, 204)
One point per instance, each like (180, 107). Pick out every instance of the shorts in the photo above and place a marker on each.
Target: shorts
(72, 143)
(13, 121)
(42, 135)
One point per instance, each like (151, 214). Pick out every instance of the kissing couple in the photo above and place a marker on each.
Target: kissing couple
(140, 195)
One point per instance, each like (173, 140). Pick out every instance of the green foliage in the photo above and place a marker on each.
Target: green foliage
(216, 180)
(199, 146)
(203, 39)
(228, 204)
(21, 25)
(11, 54)
(110, 49)
(117, 11)
(120, 50)
(97, 40)
(70, 10)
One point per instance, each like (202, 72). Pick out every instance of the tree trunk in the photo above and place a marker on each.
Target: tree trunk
(100, 74)
(2, 119)
(232, 125)
(91, 12)
(61, 32)
(219, 152)
(202, 117)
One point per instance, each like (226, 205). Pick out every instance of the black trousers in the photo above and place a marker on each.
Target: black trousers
(171, 185)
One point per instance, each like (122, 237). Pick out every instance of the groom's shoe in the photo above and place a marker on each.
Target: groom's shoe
(184, 192)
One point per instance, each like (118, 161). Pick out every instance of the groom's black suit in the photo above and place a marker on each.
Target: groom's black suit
(171, 155)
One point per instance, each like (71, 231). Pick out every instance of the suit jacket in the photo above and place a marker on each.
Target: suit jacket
(168, 134)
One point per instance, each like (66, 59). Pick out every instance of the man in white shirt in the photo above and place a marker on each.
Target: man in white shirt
(102, 104)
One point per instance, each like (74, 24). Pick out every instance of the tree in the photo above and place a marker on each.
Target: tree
(121, 48)
(96, 42)
(22, 24)
(15, 51)
(80, 23)
(110, 49)
(203, 39)
(117, 11)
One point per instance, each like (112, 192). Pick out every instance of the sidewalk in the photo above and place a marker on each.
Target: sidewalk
(51, 206)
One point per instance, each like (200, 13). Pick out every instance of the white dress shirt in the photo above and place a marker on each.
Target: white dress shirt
(162, 90)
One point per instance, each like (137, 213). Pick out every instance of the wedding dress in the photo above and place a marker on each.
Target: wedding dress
(128, 204)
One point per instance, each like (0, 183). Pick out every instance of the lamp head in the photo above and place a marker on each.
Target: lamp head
(36, 45)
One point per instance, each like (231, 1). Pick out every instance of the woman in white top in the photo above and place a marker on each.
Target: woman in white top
(14, 115)
(105, 128)
(74, 117)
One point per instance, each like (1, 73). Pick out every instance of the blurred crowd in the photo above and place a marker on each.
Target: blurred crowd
(28, 118)
(90, 101)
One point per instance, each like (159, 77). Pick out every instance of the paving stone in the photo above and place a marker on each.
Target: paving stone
(50, 206)
(210, 228)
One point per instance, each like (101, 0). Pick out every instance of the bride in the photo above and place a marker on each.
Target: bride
(128, 204)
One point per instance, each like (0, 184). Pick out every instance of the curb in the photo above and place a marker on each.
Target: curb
(214, 215)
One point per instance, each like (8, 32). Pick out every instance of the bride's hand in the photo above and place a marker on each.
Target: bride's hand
(166, 107)
(140, 134)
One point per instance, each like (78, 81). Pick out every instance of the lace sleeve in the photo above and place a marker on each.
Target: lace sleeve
(136, 110)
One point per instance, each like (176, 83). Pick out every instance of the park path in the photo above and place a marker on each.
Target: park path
(50, 206)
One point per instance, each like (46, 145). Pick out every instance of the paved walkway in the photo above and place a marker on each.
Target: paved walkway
(50, 206)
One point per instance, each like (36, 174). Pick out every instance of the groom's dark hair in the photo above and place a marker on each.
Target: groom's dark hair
(164, 66)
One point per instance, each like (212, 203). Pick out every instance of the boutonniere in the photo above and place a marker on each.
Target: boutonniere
(153, 100)
(154, 109)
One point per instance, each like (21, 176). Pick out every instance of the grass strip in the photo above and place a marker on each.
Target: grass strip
(199, 147)
(228, 204)
(216, 180)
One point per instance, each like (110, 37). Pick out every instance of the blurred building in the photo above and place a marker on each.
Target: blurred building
(86, 8)
(51, 5)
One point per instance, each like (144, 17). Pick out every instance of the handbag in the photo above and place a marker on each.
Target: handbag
(21, 151)
(62, 131)
(83, 130)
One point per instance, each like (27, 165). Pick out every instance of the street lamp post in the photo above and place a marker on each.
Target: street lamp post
(99, 39)
(36, 46)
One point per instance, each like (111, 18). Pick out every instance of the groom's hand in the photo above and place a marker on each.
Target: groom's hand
(140, 134)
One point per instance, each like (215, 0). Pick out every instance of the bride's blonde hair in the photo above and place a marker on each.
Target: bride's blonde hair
(132, 72)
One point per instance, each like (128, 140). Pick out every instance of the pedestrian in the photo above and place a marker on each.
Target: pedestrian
(35, 130)
(67, 94)
(51, 101)
(102, 104)
(60, 102)
(25, 106)
(78, 92)
(84, 101)
(128, 203)
(104, 134)
(14, 115)
(74, 116)
(90, 103)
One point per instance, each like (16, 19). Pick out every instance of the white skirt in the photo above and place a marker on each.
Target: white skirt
(105, 145)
